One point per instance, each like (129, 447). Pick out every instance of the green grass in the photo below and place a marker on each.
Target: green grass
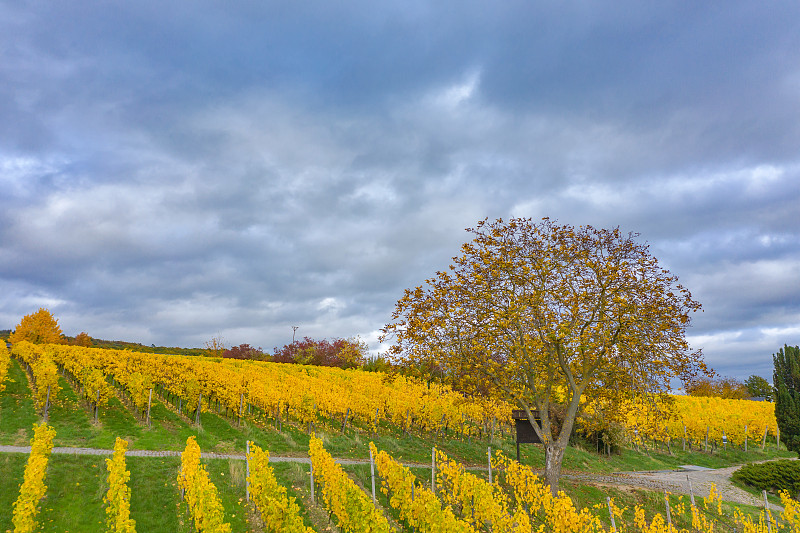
(580, 459)
(296, 477)
(12, 468)
(229, 478)
(155, 498)
(17, 413)
(74, 502)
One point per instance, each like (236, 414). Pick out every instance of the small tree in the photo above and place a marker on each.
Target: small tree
(786, 379)
(82, 339)
(551, 318)
(352, 351)
(39, 328)
(216, 346)
(758, 387)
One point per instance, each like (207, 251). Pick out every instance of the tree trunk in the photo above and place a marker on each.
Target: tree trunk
(553, 456)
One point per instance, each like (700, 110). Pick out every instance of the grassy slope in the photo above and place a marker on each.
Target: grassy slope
(76, 484)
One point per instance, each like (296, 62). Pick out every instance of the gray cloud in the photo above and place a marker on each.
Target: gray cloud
(171, 173)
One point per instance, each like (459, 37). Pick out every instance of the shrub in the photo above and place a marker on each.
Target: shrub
(244, 351)
(772, 476)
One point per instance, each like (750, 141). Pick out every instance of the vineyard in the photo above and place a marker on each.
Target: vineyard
(129, 402)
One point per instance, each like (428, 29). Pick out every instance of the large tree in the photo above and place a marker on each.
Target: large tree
(786, 379)
(39, 328)
(552, 318)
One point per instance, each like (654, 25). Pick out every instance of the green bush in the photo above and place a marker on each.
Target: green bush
(772, 476)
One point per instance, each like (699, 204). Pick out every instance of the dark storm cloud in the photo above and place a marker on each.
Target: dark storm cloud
(175, 171)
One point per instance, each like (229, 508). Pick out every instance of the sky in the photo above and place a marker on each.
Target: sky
(175, 171)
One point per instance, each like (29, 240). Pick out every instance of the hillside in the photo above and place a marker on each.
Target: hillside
(76, 483)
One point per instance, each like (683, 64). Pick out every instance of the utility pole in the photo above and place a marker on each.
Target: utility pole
(294, 329)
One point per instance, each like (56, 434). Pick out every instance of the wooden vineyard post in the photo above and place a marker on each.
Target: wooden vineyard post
(706, 439)
(745, 438)
(684, 437)
(764, 440)
(97, 406)
(183, 488)
(197, 413)
(489, 454)
(666, 502)
(611, 514)
(241, 409)
(766, 512)
(691, 492)
(472, 507)
(313, 496)
(344, 425)
(149, 401)
(47, 404)
(433, 470)
(372, 472)
(247, 472)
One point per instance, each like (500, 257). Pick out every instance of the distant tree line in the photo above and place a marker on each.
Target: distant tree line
(41, 327)
(341, 353)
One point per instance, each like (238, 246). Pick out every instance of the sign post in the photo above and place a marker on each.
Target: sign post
(525, 432)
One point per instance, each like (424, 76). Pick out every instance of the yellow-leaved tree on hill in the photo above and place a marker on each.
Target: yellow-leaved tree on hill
(39, 328)
(551, 318)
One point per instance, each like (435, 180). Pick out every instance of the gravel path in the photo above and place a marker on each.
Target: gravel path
(172, 453)
(698, 478)
(672, 481)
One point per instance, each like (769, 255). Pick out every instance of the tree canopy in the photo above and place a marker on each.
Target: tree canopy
(82, 339)
(39, 328)
(726, 387)
(758, 387)
(551, 318)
